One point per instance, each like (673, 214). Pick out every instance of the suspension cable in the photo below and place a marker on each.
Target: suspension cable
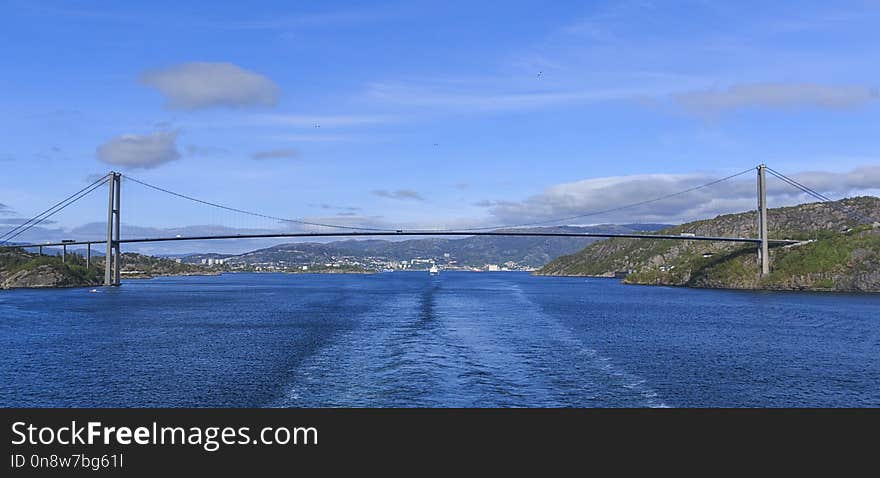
(39, 218)
(791, 181)
(256, 214)
(53, 207)
(606, 211)
(508, 226)
(821, 197)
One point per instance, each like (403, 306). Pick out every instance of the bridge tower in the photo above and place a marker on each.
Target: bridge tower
(112, 261)
(763, 250)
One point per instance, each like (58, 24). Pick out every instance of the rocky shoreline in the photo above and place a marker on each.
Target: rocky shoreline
(44, 276)
(20, 269)
(837, 252)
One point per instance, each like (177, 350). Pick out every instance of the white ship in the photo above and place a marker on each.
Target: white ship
(434, 270)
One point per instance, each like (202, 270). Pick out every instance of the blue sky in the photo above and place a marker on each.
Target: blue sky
(418, 114)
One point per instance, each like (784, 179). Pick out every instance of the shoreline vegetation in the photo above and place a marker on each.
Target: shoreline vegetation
(21, 269)
(839, 252)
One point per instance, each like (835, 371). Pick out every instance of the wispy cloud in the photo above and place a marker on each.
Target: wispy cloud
(140, 151)
(607, 21)
(403, 194)
(295, 127)
(318, 121)
(206, 151)
(198, 85)
(835, 17)
(488, 100)
(17, 221)
(6, 210)
(630, 45)
(331, 206)
(314, 19)
(329, 138)
(205, 20)
(276, 154)
(777, 96)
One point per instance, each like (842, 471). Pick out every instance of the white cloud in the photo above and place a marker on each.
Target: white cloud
(609, 193)
(862, 178)
(777, 96)
(140, 151)
(199, 85)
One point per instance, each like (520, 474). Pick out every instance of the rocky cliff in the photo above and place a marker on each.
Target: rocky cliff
(840, 251)
(21, 269)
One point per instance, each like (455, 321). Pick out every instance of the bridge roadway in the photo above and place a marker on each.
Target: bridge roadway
(775, 242)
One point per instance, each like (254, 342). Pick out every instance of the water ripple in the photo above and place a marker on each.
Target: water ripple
(412, 340)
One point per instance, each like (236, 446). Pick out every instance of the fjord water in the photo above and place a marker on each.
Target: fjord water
(457, 339)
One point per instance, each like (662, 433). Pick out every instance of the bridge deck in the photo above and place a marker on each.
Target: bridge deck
(419, 233)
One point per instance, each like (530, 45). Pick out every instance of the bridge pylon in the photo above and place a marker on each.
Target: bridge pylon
(112, 261)
(763, 247)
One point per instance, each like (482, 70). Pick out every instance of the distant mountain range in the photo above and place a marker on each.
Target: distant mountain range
(473, 251)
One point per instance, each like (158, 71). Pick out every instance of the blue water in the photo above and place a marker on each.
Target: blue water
(458, 339)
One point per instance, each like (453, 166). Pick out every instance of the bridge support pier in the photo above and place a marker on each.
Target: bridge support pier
(118, 255)
(113, 258)
(88, 255)
(64, 253)
(764, 248)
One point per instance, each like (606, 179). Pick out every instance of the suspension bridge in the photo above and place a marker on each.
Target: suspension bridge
(113, 241)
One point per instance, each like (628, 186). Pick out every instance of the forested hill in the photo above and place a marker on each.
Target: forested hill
(24, 269)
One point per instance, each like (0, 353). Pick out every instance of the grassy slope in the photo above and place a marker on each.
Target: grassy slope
(834, 261)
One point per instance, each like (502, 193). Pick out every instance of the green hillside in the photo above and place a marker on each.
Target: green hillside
(23, 269)
(839, 252)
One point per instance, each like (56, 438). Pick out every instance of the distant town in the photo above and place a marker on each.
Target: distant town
(348, 263)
